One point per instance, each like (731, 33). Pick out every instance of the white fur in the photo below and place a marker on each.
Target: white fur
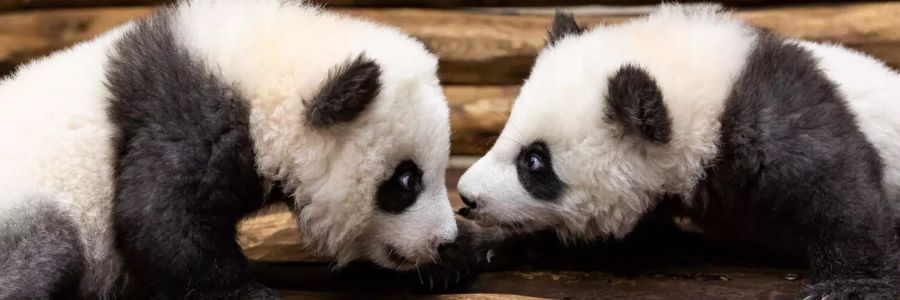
(694, 54)
(56, 132)
(277, 54)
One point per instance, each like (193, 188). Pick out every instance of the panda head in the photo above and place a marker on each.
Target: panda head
(354, 127)
(609, 120)
(385, 181)
(372, 184)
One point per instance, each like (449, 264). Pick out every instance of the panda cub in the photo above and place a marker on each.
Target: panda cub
(128, 159)
(778, 138)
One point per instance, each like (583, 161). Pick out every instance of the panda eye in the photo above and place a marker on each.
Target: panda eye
(401, 190)
(409, 181)
(534, 162)
(535, 169)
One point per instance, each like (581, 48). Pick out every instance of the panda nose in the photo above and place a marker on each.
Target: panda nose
(468, 202)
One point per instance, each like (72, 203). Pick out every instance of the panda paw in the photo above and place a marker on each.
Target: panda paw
(460, 261)
(874, 289)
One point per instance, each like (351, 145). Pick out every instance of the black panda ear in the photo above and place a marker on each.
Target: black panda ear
(635, 101)
(349, 89)
(563, 24)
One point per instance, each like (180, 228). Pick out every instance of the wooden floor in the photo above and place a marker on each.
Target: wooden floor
(637, 270)
(657, 261)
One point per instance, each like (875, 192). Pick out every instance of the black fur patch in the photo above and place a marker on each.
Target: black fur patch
(392, 197)
(184, 168)
(40, 253)
(635, 102)
(346, 93)
(545, 184)
(563, 25)
(794, 167)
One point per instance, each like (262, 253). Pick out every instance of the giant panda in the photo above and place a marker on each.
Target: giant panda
(128, 159)
(782, 139)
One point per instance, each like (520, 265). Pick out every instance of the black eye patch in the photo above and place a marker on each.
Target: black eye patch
(535, 168)
(400, 190)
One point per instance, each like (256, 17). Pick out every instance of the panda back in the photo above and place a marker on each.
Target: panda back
(872, 92)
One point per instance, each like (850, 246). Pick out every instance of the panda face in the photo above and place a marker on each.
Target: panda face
(412, 215)
(382, 196)
(606, 124)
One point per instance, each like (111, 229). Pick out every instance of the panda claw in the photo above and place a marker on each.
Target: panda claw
(490, 254)
(457, 276)
(446, 284)
(430, 283)
(808, 298)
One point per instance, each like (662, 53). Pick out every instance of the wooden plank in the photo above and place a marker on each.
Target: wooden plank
(478, 113)
(35, 4)
(26, 35)
(658, 265)
(481, 48)
(273, 237)
(477, 47)
(711, 282)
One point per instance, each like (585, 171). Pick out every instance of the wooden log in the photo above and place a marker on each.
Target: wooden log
(482, 48)
(478, 113)
(35, 4)
(478, 47)
(273, 237)
(672, 283)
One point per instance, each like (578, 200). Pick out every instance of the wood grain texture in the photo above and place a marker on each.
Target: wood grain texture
(27, 35)
(722, 282)
(273, 237)
(483, 48)
(478, 113)
(478, 47)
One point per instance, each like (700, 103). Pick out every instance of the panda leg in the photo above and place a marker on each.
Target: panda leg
(852, 246)
(845, 265)
(176, 206)
(40, 252)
